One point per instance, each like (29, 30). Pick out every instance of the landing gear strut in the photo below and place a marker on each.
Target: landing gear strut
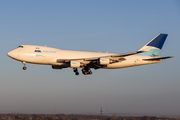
(24, 67)
(76, 71)
(86, 71)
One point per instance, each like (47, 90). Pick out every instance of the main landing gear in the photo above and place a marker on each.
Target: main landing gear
(76, 71)
(24, 67)
(86, 71)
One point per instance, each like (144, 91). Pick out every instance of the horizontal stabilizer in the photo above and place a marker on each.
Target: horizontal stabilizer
(158, 58)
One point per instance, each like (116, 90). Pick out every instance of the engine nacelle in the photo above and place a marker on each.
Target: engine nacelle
(75, 64)
(103, 61)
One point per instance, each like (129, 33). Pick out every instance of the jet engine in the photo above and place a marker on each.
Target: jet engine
(103, 61)
(75, 64)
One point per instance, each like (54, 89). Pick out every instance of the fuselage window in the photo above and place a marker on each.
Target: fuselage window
(21, 46)
(37, 51)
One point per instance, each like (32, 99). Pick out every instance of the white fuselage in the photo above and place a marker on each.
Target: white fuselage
(49, 56)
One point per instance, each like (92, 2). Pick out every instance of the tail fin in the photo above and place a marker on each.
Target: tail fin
(153, 47)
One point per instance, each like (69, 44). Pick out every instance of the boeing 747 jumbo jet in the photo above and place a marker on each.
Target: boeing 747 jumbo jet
(59, 58)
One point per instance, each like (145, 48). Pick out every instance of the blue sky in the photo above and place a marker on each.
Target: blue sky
(103, 25)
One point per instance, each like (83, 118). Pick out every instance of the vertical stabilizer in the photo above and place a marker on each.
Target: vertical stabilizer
(153, 47)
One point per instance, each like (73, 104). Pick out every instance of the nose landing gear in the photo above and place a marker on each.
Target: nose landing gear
(76, 71)
(24, 67)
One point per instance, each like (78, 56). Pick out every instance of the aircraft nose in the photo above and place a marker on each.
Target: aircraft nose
(9, 53)
(12, 53)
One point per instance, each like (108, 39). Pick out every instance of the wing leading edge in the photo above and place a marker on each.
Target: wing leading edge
(96, 58)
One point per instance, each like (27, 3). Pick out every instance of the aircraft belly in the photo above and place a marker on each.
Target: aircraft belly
(129, 63)
(121, 64)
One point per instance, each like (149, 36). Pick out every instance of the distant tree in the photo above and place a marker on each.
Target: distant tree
(49, 118)
(130, 118)
(42, 118)
(146, 118)
(113, 117)
(34, 118)
(16, 117)
(34, 115)
(60, 118)
(74, 119)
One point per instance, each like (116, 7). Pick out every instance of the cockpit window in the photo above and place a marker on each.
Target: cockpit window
(37, 51)
(21, 46)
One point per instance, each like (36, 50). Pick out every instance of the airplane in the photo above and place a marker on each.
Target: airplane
(59, 58)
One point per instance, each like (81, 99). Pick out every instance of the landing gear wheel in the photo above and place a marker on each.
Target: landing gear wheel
(77, 73)
(75, 70)
(86, 71)
(24, 68)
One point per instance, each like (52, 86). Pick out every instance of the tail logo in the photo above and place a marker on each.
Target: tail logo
(154, 46)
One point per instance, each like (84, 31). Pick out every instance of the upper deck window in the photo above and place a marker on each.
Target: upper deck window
(20, 46)
(37, 51)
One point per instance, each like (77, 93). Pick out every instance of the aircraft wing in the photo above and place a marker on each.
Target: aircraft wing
(92, 61)
(127, 54)
(96, 58)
